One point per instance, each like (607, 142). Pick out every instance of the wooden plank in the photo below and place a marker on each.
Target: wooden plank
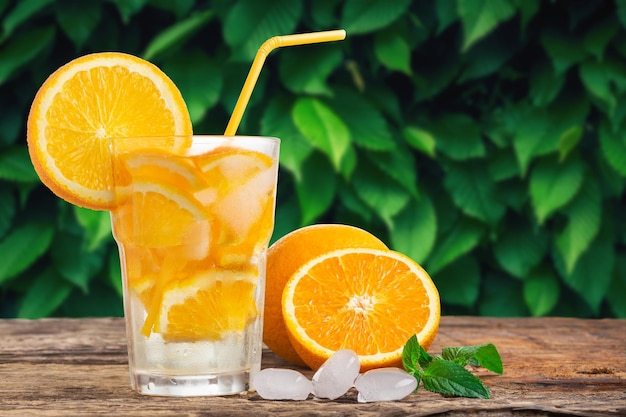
(553, 366)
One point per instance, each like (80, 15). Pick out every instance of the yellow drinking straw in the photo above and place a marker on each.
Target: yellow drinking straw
(265, 49)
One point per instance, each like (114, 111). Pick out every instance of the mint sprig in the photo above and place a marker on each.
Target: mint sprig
(446, 373)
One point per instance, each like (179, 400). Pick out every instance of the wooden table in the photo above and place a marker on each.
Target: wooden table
(552, 367)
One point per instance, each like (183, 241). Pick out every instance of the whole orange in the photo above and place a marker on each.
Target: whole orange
(286, 256)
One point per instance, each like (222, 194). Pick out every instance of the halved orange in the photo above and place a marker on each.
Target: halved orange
(368, 300)
(85, 103)
(290, 253)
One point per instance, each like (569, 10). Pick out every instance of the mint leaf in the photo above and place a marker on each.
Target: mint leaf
(411, 354)
(424, 358)
(449, 378)
(485, 355)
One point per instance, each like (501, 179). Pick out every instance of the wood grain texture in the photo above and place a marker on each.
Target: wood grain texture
(552, 367)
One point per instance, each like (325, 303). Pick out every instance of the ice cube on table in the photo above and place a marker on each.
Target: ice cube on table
(384, 384)
(336, 376)
(282, 384)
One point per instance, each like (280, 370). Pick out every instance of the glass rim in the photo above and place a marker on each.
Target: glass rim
(201, 136)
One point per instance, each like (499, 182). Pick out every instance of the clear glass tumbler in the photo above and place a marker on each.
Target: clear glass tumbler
(193, 221)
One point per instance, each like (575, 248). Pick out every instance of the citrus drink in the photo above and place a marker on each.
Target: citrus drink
(193, 225)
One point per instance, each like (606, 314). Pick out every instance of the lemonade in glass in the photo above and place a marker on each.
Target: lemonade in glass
(192, 226)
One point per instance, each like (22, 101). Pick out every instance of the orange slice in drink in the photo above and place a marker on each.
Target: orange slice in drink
(161, 216)
(241, 198)
(208, 305)
(368, 300)
(86, 102)
(161, 224)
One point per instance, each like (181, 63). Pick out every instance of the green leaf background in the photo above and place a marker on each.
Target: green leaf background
(483, 138)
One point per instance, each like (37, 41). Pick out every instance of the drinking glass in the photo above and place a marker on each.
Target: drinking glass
(193, 224)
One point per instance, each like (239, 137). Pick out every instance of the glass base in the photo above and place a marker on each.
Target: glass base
(191, 386)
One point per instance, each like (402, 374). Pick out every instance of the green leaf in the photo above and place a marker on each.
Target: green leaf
(115, 272)
(598, 82)
(503, 166)
(564, 50)
(485, 355)
(128, 8)
(21, 13)
(199, 80)
(613, 148)
(22, 247)
(461, 239)
(553, 185)
(531, 128)
(446, 11)
(11, 125)
(179, 7)
(480, 17)
(568, 141)
(520, 248)
(305, 70)
(356, 206)
(322, 127)
(501, 296)
(368, 128)
(44, 295)
(449, 378)
(393, 51)
(22, 48)
(324, 14)
(599, 36)
(415, 229)
(621, 11)
(545, 84)
(458, 136)
(411, 355)
(78, 19)
(96, 225)
(15, 165)
(492, 55)
(399, 165)
(617, 289)
(177, 34)
(528, 9)
(597, 262)
(72, 262)
(459, 282)
(473, 191)
(316, 188)
(584, 215)
(250, 23)
(420, 139)
(379, 192)
(364, 16)
(541, 291)
(8, 205)
(294, 148)
(288, 217)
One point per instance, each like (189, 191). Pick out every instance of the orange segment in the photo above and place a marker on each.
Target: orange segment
(85, 103)
(208, 306)
(241, 198)
(371, 301)
(160, 215)
(290, 253)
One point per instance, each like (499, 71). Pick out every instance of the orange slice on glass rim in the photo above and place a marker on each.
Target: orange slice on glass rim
(85, 103)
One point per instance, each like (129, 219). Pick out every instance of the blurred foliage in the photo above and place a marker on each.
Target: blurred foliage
(484, 138)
